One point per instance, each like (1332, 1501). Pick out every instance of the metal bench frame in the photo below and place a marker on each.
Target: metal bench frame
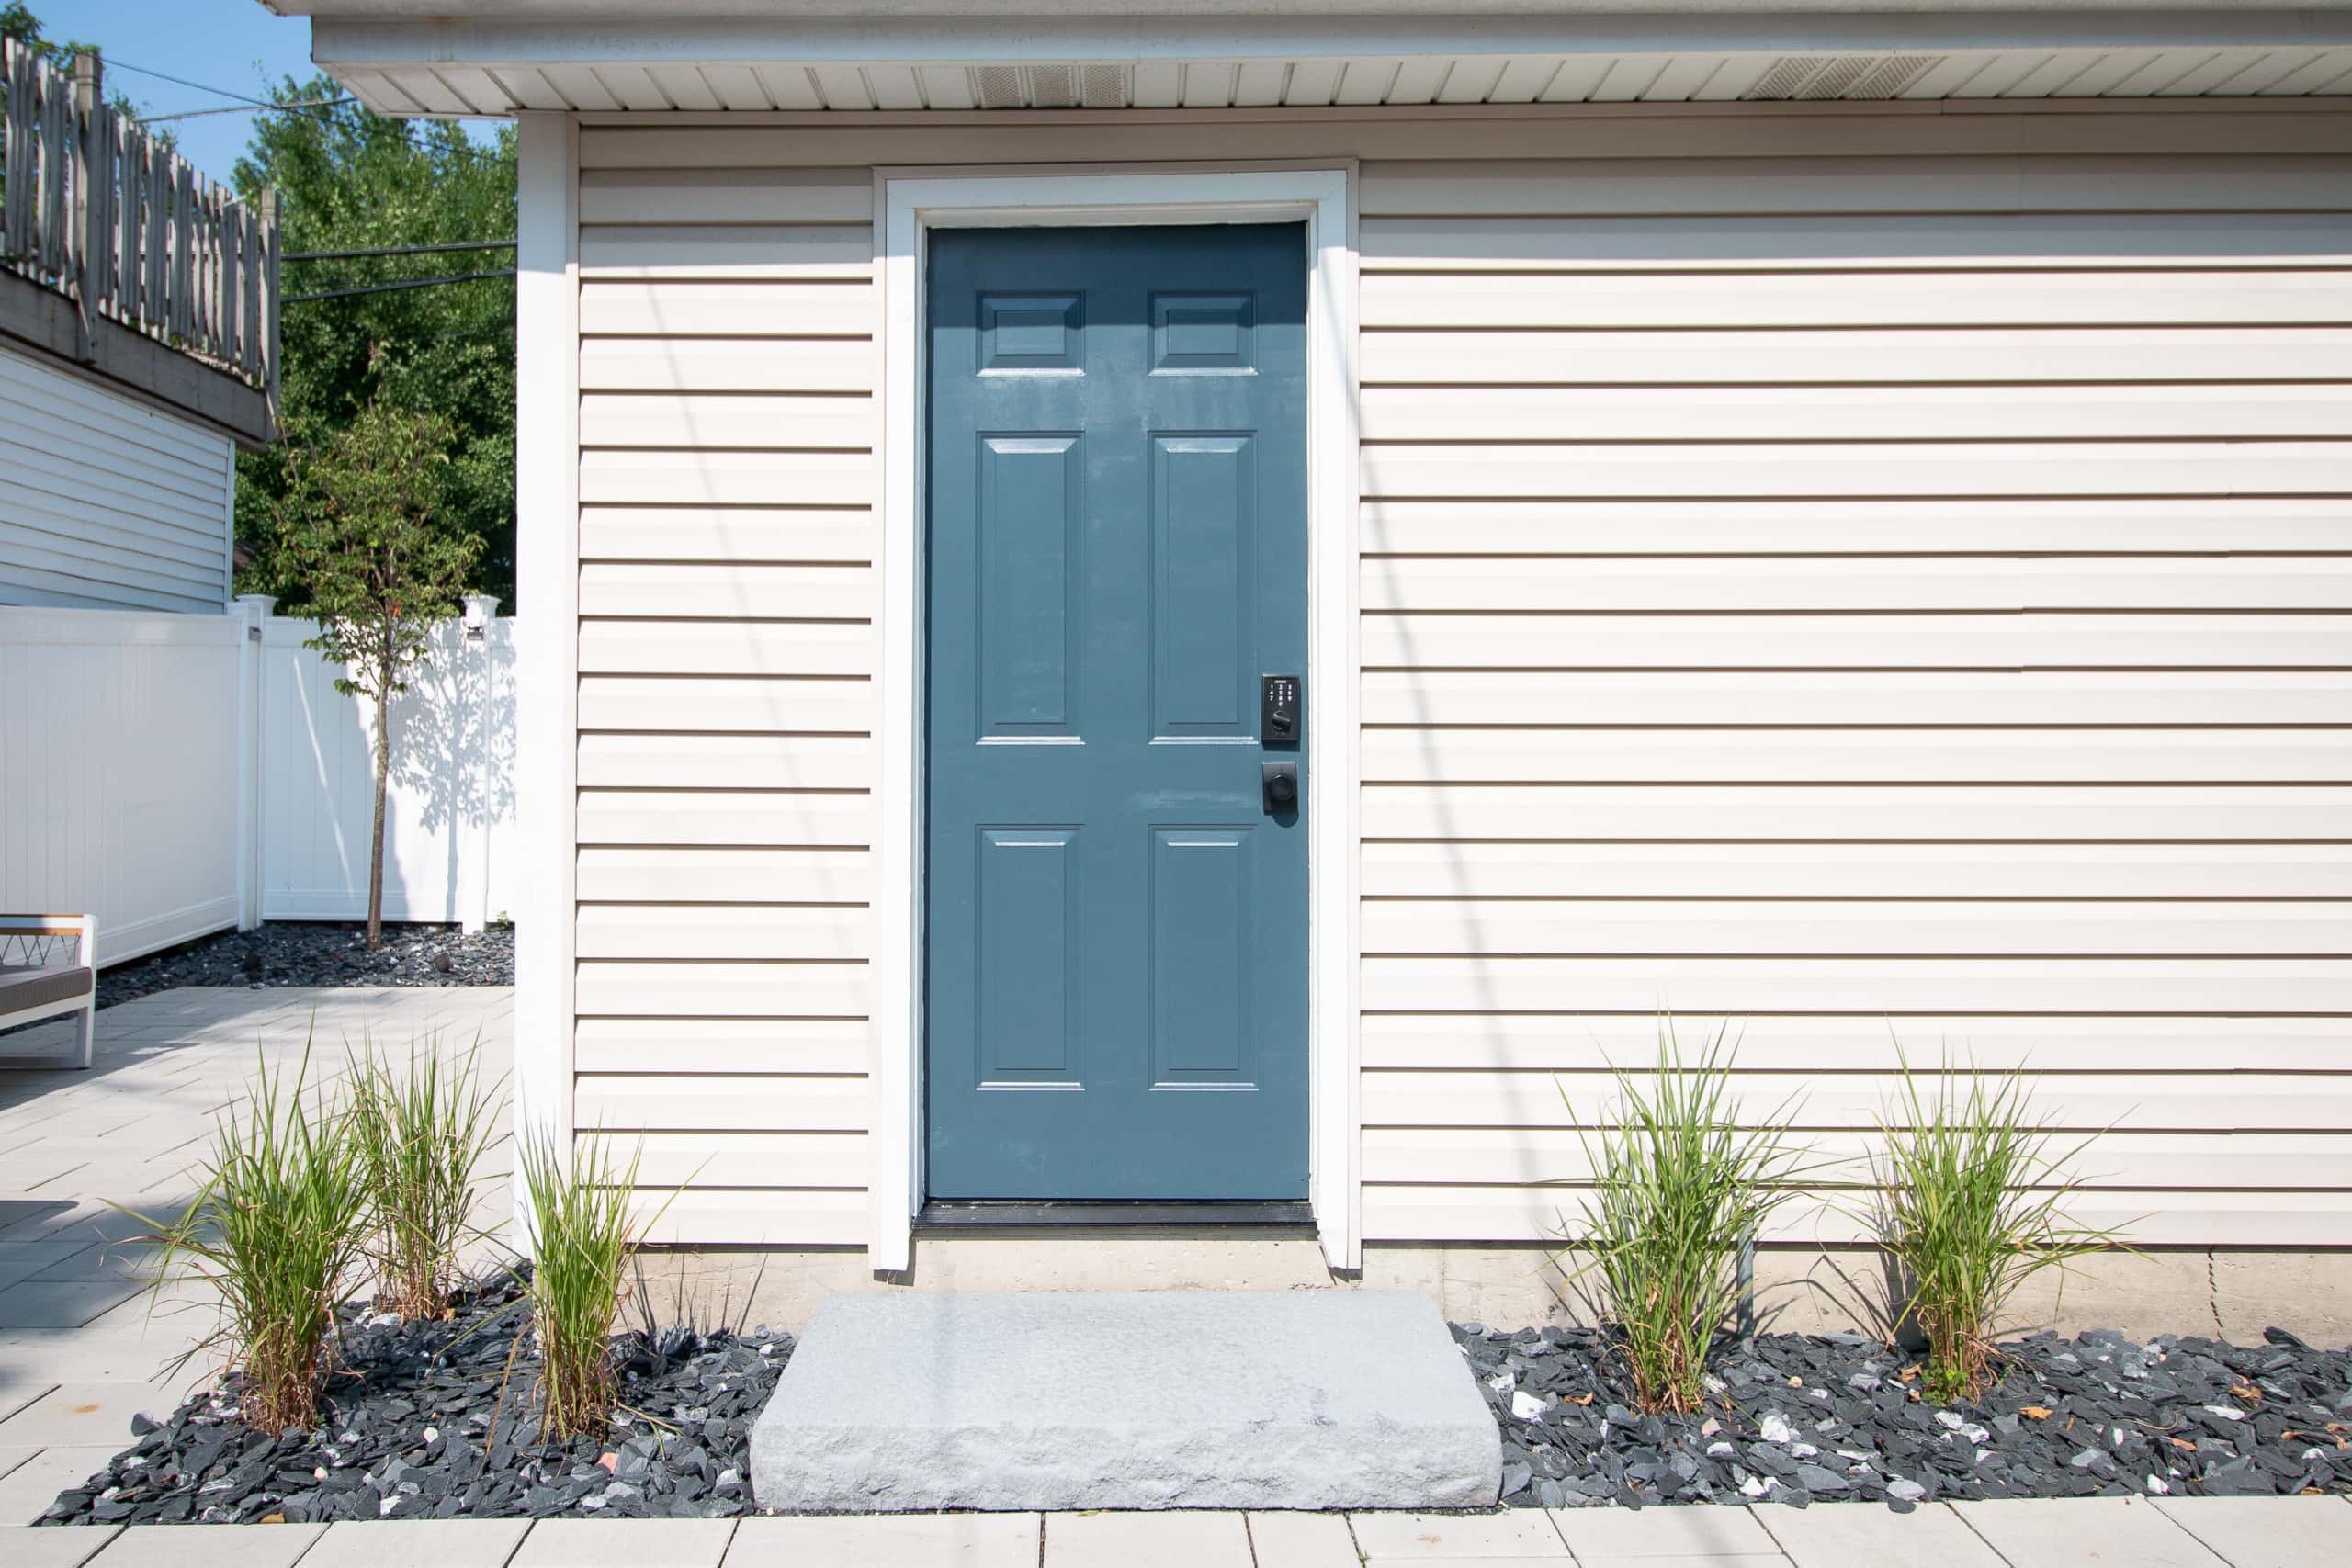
(84, 930)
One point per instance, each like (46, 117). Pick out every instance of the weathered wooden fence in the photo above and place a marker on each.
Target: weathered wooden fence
(98, 209)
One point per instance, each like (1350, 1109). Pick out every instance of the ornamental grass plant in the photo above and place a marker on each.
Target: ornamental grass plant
(1678, 1185)
(582, 1234)
(422, 1134)
(277, 1229)
(1970, 1201)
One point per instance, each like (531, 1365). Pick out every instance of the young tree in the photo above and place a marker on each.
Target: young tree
(357, 522)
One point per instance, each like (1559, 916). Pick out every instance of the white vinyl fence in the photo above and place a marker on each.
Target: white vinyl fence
(175, 774)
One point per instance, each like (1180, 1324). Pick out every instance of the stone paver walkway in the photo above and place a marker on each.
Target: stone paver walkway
(83, 1346)
(79, 1355)
(2215, 1532)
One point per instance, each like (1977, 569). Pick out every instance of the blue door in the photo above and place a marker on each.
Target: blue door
(1116, 934)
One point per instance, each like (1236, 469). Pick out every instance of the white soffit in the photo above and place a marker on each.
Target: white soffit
(441, 89)
(481, 67)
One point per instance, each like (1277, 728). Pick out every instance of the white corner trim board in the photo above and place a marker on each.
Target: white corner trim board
(911, 202)
(546, 454)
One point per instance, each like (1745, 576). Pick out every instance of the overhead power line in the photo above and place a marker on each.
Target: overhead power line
(387, 287)
(398, 250)
(243, 98)
(249, 109)
(113, 64)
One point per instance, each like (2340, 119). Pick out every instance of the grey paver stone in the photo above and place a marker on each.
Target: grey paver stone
(1147, 1540)
(2268, 1532)
(210, 1546)
(625, 1543)
(2085, 1530)
(1302, 1540)
(22, 1546)
(888, 1541)
(1711, 1531)
(1838, 1535)
(27, 1491)
(96, 1412)
(20, 1260)
(1525, 1533)
(61, 1303)
(418, 1544)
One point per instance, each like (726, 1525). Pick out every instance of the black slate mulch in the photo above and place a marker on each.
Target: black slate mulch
(438, 1421)
(1805, 1418)
(417, 1424)
(305, 952)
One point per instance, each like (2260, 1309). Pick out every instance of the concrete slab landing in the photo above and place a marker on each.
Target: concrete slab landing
(1322, 1399)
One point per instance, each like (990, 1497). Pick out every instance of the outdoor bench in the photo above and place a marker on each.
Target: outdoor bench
(49, 966)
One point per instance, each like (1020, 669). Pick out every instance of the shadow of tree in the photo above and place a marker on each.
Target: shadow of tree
(453, 754)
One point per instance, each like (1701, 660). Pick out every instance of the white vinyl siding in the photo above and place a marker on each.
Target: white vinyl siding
(108, 504)
(1884, 581)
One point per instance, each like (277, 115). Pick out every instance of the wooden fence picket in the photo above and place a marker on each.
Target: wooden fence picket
(93, 206)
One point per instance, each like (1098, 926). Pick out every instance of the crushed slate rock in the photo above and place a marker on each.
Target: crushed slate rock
(440, 1421)
(1805, 1418)
(321, 952)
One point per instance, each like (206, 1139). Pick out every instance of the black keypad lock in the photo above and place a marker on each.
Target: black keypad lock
(1282, 709)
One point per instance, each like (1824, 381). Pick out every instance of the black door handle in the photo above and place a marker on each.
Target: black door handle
(1280, 781)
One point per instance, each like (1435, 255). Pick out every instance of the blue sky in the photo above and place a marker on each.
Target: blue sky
(230, 44)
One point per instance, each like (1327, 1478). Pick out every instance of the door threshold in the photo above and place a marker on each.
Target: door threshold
(963, 1213)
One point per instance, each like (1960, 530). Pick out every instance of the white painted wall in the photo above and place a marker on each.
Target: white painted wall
(107, 502)
(164, 773)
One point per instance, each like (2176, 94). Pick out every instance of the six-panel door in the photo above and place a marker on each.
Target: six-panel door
(1116, 932)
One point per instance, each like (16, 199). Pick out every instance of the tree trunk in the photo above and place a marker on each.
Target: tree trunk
(376, 838)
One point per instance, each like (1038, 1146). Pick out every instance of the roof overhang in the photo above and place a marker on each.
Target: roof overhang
(598, 55)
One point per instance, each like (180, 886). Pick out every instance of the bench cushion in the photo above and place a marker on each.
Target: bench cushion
(22, 987)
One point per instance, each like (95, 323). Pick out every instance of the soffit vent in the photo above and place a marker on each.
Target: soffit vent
(1784, 76)
(1833, 79)
(997, 87)
(1891, 75)
(1104, 87)
(1053, 87)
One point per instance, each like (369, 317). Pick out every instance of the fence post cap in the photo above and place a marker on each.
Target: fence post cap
(258, 605)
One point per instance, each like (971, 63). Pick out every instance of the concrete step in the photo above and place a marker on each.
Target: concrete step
(1189, 1399)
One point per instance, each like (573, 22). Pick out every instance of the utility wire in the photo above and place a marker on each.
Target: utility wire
(248, 108)
(398, 250)
(207, 87)
(387, 287)
(112, 62)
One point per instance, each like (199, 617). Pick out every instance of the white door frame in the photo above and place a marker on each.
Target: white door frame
(910, 203)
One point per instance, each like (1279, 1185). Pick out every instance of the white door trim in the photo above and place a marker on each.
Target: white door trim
(910, 203)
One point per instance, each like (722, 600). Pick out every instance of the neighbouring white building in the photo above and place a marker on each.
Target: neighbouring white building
(1834, 522)
(138, 320)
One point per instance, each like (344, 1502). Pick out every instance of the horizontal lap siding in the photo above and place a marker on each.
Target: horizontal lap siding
(1881, 603)
(1872, 633)
(107, 502)
(728, 427)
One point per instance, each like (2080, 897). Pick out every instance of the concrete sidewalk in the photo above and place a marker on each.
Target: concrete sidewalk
(2221, 1532)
